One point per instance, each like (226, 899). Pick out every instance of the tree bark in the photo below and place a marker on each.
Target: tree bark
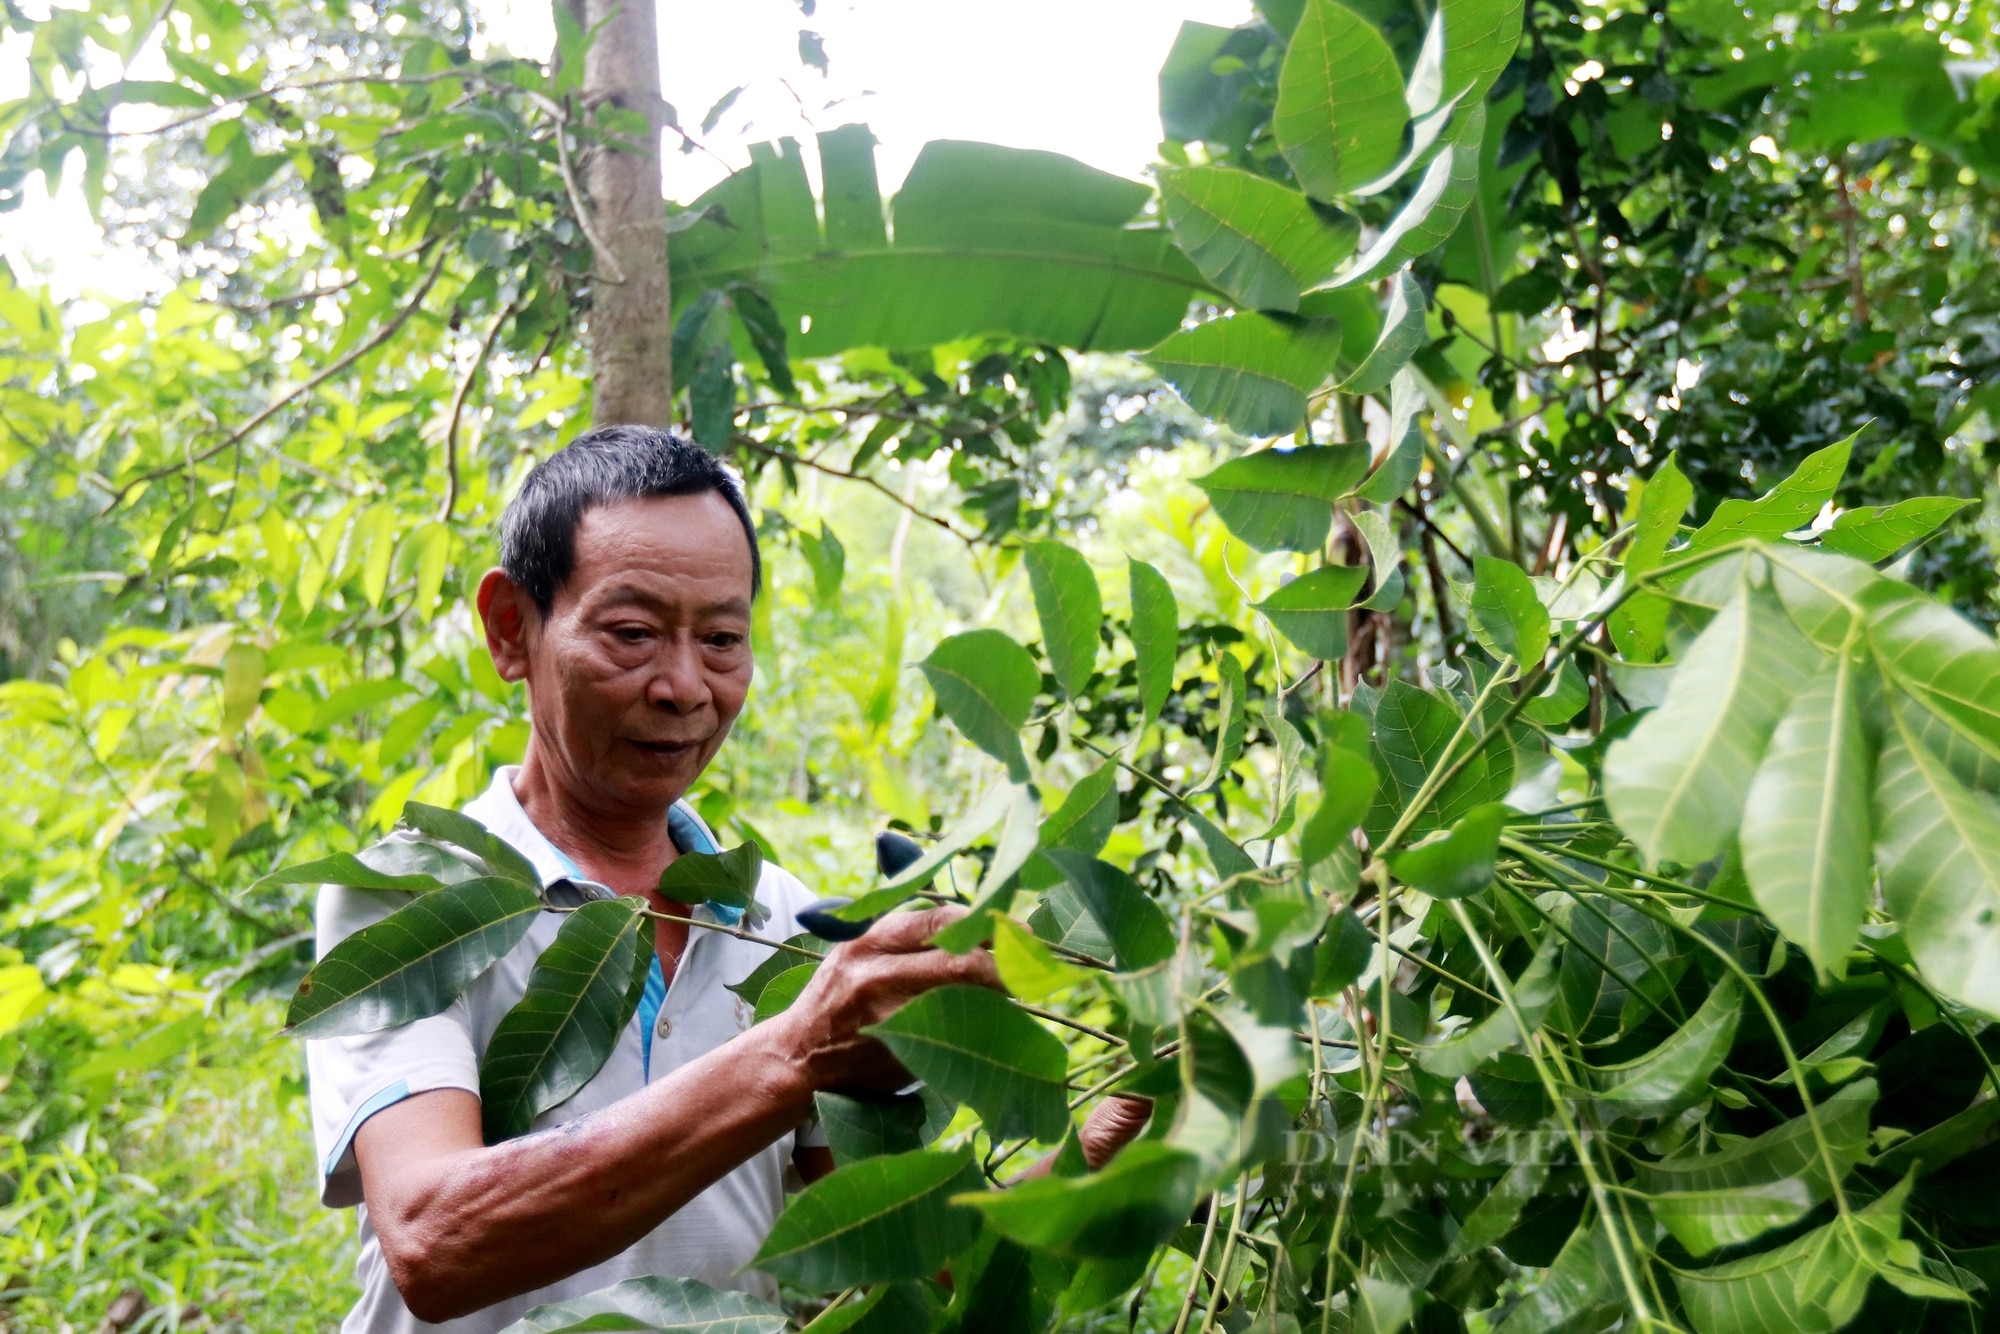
(631, 325)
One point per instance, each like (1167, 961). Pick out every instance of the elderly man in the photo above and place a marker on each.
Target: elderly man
(628, 567)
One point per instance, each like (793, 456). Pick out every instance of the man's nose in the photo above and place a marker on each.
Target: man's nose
(679, 684)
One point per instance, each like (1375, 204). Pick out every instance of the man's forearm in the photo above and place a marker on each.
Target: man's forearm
(483, 1224)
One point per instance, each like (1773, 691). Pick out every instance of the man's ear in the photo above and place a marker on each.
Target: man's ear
(508, 614)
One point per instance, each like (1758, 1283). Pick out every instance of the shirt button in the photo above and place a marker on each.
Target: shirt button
(665, 1028)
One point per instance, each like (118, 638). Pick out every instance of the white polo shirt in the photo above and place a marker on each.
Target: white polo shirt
(715, 1234)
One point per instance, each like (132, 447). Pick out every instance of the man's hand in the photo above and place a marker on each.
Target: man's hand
(864, 982)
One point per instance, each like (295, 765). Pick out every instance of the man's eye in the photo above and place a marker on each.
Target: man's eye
(725, 640)
(632, 634)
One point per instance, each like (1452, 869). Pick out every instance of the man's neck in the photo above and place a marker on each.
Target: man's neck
(623, 849)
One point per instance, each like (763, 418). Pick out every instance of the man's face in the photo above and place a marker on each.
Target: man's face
(642, 664)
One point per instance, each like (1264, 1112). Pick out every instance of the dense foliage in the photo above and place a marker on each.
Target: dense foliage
(1536, 897)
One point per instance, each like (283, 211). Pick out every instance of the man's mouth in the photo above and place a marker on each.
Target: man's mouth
(668, 749)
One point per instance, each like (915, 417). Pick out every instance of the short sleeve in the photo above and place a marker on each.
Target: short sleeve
(353, 1078)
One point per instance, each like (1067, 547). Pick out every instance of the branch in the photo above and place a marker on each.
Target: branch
(458, 410)
(379, 337)
(614, 274)
(785, 455)
(265, 94)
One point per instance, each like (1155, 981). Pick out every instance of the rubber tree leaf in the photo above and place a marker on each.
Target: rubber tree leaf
(1250, 370)
(777, 962)
(1385, 556)
(1582, 1281)
(1677, 783)
(1506, 607)
(1938, 846)
(1814, 1285)
(1874, 533)
(1311, 610)
(1282, 499)
(456, 827)
(1019, 837)
(1944, 662)
(1403, 332)
(827, 557)
(1754, 1186)
(1156, 618)
(1230, 720)
(779, 993)
(1347, 784)
(858, 1128)
(658, 1303)
(1534, 991)
(986, 683)
(888, 1219)
(1135, 1204)
(1084, 822)
(1227, 856)
(978, 1048)
(1806, 833)
(1457, 864)
(729, 878)
(1138, 930)
(1405, 459)
(1640, 626)
(1027, 968)
(1413, 731)
(583, 991)
(1257, 240)
(1341, 110)
(344, 868)
(1342, 955)
(414, 962)
(988, 241)
(988, 811)
(1432, 212)
(1480, 37)
(1070, 608)
(1676, 1073)
(1786, 507)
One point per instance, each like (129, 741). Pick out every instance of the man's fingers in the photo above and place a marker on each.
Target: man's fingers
(907, 932)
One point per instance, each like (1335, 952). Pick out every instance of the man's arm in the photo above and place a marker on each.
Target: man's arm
(464, 1225)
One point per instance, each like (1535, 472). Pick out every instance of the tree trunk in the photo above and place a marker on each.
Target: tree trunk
(631, 327)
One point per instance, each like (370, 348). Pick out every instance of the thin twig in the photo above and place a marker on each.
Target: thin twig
(458, 410)
(613, 272)
(768, 451)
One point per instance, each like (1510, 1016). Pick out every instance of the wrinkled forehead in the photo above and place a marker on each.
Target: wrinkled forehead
(687, 549)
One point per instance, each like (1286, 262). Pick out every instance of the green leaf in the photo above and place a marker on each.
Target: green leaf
(1786, 507)
(1156, 618)
(1139, 932)
(1480, 37)
(1342, 955)
(976, 1047)
(1413, 735)
(1813, 1285)
(1806, 831)
(1070, 609)
(1677, 783)
(1019, 838)
(1224, 852)
(777, 962)
(779, 993)
(1258, 241)
(1458, 864)
(986, 683)
(344, 868)
(729, 878)
(1311, 610)
(1084, 822)
(1639, 627)
(1347, 784)
(227, 190)
(463, 831)
(1753, 1186)
(1676, 1073)
(1505, 606)
(1566, 693)
(659, 1303)
(858, 1128)
(1027, 967)
(1534, 990)
(1945, 663)
(583, 991)
(827, 559)
(1230, 722)
(1385, 557)
(1340, 112)
(1403, 332)
(1251, 371)
(1578, 1286)
(1938, 846)
(414, 962)
(882, 1220)
(242, 685)
(1874, 533)
(1131, 1207)
(1432, 212)
(1282, 499)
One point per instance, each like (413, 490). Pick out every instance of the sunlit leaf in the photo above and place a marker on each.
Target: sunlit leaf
(1255, 239)
(729, 878)
(1155, 637)
(1070, 608)
(1341, 111)
(986, 683)
(1282, 499)
(1877, 532)
(1249, 370)
(1311, 610)
(1129, 1208)
(1506, 607)
(1675, 1073)
(1139, 932)
(1456, 864)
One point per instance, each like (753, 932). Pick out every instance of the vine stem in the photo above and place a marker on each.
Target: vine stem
(1371, 1097)
(1200, 1267)
(1215, 1293)
(1530, 1035)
